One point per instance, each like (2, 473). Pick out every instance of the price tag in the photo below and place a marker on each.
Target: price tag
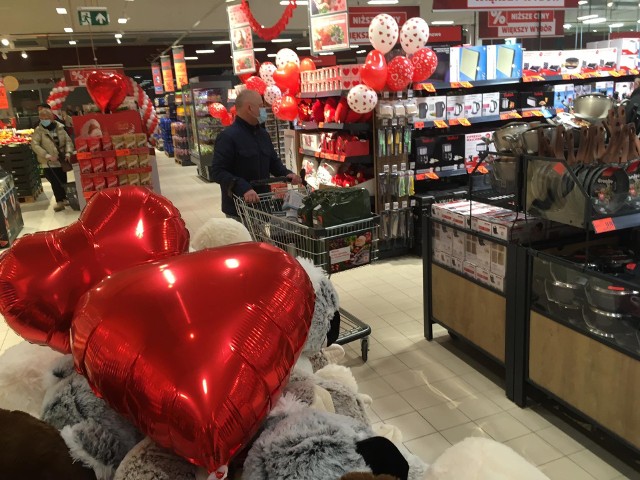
(578, 76)
(321, 125)
(483, 170)
(454, 121)
(429, 87)
(387, 206)
(395, 205)
(403, 167)
(614, 73)
(559, 168)
(566, 76)
(385, 168)
(418, 125)
(456, 85)
(413, 202)
(440, 124)
(633, 72)
(537, 113)
(84, 156)
(385, 94)
(432, 176)
(421, 176)
(604, 225)
(405, 204)
(394, 168)
(412, 165)
(123, 153)
(466, 85)
(465, 122)
(409, 93)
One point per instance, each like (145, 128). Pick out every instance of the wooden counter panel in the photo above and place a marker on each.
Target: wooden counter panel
(476, 313)
(599, 381)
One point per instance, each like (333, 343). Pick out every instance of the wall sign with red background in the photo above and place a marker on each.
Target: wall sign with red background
(503, 4)
(76, 76)
(521, 23)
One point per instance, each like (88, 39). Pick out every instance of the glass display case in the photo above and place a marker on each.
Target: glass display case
(202, 129)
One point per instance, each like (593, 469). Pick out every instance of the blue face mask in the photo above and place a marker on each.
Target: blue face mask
(45, 123)
(262, 116)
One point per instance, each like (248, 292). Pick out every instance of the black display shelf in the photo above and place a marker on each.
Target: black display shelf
(492, 197)
(353, 127)
(437, 85)
(442, 174)
(460, 122)
(619, 222)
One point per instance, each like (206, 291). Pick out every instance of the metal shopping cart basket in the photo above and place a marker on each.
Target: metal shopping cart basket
(334, 249)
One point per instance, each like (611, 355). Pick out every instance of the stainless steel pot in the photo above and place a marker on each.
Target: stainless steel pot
(507, 138)
(592, 107)
(530, 138)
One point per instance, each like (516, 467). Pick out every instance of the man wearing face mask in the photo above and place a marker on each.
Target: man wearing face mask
(244, 153)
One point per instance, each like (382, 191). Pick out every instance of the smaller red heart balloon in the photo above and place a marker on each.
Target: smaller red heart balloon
(287, 109)
(257, 84)
(424, 62)
(374, 72)
(226, 120)
(287, 78)
(108, 90)
(307, 65)
(217, 110)
(399, 73)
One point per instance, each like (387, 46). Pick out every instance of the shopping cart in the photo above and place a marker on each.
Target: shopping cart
(329, 248)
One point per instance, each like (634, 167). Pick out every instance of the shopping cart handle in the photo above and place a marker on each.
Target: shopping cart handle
(272, 180)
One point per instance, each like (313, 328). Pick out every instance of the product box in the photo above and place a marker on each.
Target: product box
(508, 101)
(130, 140)
(81, 144)
(483, 253)
(310, 141)
(94, 144)
(141, 140)
(563, 96)
(145, 178)
(468, 64)
(431, 109)
(143, 160)
(469, 269)
(442, 211)
(441, 153)
(134, 179)
(107, 144)
(514, 227)
(496, 281)
(87, 184)
(623, 89)
(442, 238)
(470, 249)
(482, 275)
(442, 258)
(121, 162)
(545, 63)
(490, 104)
(473, 144)
(473, 105)
(97, 165)
(606, 88)
(573, 61)
(117, 142)
(603, 60)
(110, 164)
(457, 264)
(504, 61)
(112, 181)
(132, 162)
(85, 166)
(442, 72)
(536, 100)
(458, 243)
(123, 180)
(498, 259)
(455, 106)
(99, 183)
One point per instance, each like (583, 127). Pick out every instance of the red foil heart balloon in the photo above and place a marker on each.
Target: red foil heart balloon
(287, 78)
(287, 109)
(195, 350)
(374, 72)
(108, 90)
(43, 275)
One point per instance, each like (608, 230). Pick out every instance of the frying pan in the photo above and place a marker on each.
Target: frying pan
(592, 107)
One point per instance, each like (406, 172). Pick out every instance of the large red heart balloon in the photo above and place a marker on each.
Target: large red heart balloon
(399, 74)
(374, 71)
(218, 110)
(287, 109)
(43, 275)
(196, 349)
(287, 78)
(424, 62)
(108, 90)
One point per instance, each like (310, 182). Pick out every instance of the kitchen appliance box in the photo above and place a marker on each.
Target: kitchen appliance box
(455, 106)
(536, 100)
(471, 143)
(431, 109)
(490, 104)
(473, 105)
(504, 61)
(628, 51)
(441, 153)
(468, 64)
(508, 101)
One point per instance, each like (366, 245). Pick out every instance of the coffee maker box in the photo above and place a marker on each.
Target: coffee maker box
(508, 101)
(468, 64)
(455, 106)
(473, 144)
(450, 150)
(563, 96)
(473, 105)
(504, 61)
(490, 104)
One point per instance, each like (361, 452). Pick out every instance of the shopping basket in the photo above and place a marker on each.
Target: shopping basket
(334, 249)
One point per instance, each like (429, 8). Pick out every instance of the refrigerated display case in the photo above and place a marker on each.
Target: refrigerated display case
(202, 129)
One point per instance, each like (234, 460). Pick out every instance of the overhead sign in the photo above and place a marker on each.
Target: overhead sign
(93, 16)
(4, 101)
(503, 4)
(451, 35)
(521, 24)
(156, 73)
(180, 66)
(241, 36)
(76, 76)
(360, 18)
(167, 73)
(329, 27)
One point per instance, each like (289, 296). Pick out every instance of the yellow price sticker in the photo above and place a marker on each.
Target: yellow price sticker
(465, 122)
(467, 85)
(537, 113)
(440, 124)
(429, 87)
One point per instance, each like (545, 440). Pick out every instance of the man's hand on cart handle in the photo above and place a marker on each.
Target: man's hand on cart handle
(251, 197)
(295, 179)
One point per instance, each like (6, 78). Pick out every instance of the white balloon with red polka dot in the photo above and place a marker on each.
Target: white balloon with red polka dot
(266, 73)
(383, 33)
(414, 35)
(286, 55)
(362, 99)
(272, 93)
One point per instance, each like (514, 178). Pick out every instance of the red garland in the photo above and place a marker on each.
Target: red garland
(269, 33)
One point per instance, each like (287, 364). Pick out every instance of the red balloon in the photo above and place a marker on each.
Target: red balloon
(257, 84)
(108, 90)
(399, 74)
(287, 78)
(217, 110)
(44, 275)
(287, 108)
(424, 62)
(226, 120)
(195, 350)
(307, 64)
(246, 76)
(374, 72)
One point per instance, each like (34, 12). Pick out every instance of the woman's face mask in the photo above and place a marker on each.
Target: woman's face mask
(45, 123)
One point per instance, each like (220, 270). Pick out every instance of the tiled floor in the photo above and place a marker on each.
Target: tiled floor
(434, 392)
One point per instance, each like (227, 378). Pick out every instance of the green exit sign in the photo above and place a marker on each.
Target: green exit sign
(93, 16)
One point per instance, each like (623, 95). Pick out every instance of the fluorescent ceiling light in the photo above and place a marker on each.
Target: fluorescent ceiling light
(206, 51)
(118, 35)
(382, 2)
(260, 49)
(567, 26)
(68, 29)
(123, 20)
(582, 2)
(72, 42)
(281, 40)
(191, 58)
(610, 4)
(361, 51)
(442, 22)
(595, 20)
(325, 53)
(24, 54)
(61, 10)
(271, 55)
(617, 25)
(118, 41)
(221, 42)
(303, 48)
(5, 42)
(587, 17)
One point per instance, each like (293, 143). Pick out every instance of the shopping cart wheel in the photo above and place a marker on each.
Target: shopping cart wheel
(364, 348)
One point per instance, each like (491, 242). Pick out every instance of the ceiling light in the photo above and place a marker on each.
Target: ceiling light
(68, 29)
(5, 42)
(72, 42)
(118, 41)
(61, 10)
(442, 22)
(4, 56)
(567, 26)
(382, 2)
(355, 46)
(281, 40)
(123, 20)
(361, 51)
(206, 51)
(24, 54)
(303, 48)
(191, 58)
(595, 20)
(325, 53)
(594, 31)
(137, 76)
(582, 2)
(260, 49)
(610, 4)
(271, 55)
(587, 17)
(118, 35)
(299, 2)
(616, 25)
(221, 42)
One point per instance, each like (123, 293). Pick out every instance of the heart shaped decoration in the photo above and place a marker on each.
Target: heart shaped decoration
(345, 72)
(374, 70)
(108, 90)
(195, 350)
(347, 84)
(44, 275)
(424, 62)
(362, 99)
(287, 78)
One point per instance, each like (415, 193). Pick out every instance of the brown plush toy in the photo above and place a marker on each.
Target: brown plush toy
(366, 476)
(34, 450)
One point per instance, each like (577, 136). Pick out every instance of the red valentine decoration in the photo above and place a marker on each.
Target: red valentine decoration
(287, 78)
(108, 90)
(246, 76)
(374, 72)
(304, 111)
(226, 120)
(257, 84)
(424, 62)
(269, 33)
(195, 381)
(287, 109)
(307, 64)
(44, 275)
(217, 110)
(399, 74)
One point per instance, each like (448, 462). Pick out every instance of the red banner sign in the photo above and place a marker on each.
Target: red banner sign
(77, 76)
(504, 4)
(360, 18)
(167, 73)
(449, 35)
(323, 60)
(180, 65)
(156, 73)
(4, 101)
(521, 24)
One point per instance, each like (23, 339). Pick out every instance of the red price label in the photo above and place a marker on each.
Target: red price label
(123, 153)
(440, 124)
(432, 176)
(84, 156)
(429, 87)
(456, 85)
(604, 225)
(559, 168)
(418, 125)
(454, 121)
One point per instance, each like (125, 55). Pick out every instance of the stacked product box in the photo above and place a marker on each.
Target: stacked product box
(113, 160)
(328, 79)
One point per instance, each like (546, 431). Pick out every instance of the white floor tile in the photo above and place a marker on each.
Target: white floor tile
(594, 465)
(564, 469)
(460, 432)
(502, 427)
(428, 448)
(534, 449)
(444, 416)
(391, 406)
(478, 406)
(412, 425)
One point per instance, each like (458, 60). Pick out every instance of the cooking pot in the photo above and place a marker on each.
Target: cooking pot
(608, 187)
(609, 324)
(592, 107)
(530, 138)
(507, 138)
(504, 175)
(612, 298)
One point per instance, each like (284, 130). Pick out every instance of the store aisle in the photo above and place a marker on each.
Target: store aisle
(436, 394)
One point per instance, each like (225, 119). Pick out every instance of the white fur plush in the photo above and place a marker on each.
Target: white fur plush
(25, 374)
(217, 232)
(482, 459)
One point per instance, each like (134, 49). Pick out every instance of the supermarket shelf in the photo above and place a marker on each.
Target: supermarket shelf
(578, 76)
(435, 86)
(330, 93)
(337, 158)
(466, 122)
(354, 127)
(619, 222)
(426, 175)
